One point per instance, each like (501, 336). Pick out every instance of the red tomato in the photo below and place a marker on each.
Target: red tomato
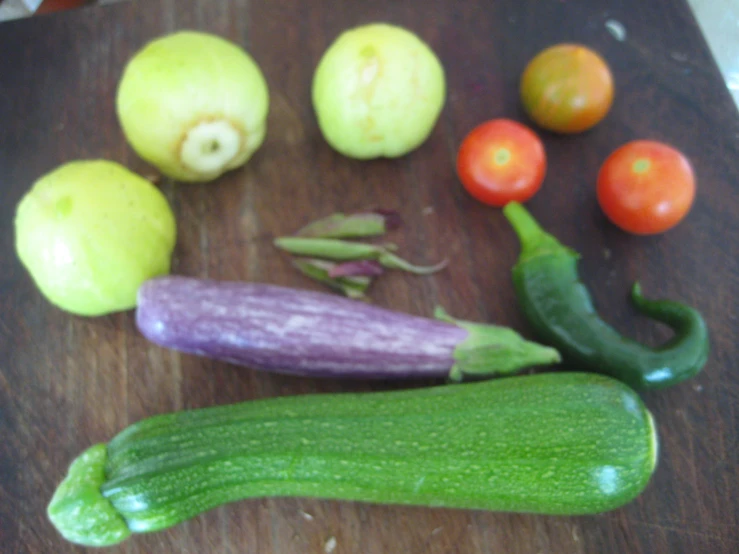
(501, 161)
(646, 187)
(56, 5)
(567, 88)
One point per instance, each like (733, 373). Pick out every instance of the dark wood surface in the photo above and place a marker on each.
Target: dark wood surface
(68, 382)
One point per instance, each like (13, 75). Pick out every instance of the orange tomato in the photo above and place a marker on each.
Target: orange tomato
(567, 88)
(646, 187)
(501, 161)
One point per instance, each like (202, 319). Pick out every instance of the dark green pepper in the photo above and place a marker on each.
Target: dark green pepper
(559, 308)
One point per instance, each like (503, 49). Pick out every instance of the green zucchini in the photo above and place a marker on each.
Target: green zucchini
(554, 443)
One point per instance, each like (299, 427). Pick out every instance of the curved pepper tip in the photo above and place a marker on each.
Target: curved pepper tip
(636, 293)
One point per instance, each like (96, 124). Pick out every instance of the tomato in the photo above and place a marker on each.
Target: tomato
(567, 88)
(56, 5)
(501, 161)
(646, 187)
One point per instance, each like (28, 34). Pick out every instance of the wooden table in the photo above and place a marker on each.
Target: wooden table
(67, 382)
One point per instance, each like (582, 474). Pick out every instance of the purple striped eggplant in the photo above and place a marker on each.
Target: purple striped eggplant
(285, 330)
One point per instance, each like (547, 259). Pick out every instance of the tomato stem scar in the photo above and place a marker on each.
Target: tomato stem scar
(502, 156)
(641, 165)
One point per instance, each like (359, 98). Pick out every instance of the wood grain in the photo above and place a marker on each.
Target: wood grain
(68, 382)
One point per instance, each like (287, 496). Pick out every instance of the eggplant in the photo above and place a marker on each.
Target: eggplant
(300, 332)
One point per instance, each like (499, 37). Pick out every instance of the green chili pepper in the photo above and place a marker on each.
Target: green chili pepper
(364, 224)
(342, 250)
(353, 286)
(559, 308)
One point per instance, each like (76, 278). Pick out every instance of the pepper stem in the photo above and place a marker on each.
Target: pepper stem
(526, 227)
(534, 240)
(492, 350)
(78, 509)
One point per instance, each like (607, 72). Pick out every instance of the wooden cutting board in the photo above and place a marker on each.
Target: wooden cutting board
(68, 382)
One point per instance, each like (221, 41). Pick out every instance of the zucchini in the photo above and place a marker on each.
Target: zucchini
(553, 443)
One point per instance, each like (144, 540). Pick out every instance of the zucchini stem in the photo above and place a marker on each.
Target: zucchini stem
(78, 508)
